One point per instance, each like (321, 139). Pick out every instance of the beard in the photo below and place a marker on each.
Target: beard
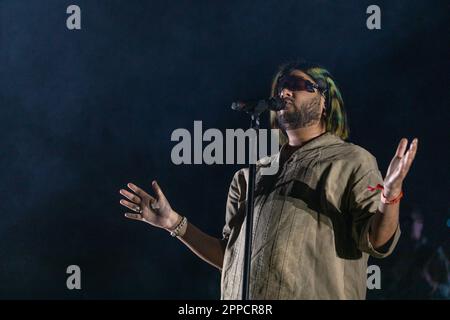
(300, 116)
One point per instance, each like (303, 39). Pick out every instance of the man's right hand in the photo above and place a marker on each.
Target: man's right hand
(155, 211)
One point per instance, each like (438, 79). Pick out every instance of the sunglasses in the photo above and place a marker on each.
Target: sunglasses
(294, 83)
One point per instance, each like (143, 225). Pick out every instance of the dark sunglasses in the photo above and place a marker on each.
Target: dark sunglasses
(295, 83)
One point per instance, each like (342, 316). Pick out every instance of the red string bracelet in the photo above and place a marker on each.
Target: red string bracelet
(383, 197)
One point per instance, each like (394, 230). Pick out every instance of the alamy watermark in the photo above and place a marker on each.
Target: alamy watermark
(374, 20)
(74, 280)
(224, 150)
(373, 277)
(73, 21)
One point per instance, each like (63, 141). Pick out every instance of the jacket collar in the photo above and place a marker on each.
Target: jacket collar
(324, 140)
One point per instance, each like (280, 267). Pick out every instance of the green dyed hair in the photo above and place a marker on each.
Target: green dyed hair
(336, 119)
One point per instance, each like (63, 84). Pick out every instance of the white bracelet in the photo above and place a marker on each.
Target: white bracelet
(179, 230)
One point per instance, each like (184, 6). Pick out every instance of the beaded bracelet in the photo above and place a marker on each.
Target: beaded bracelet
(179, 230)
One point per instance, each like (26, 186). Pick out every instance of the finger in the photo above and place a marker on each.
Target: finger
(130, 196)
(130, 205)
(133, 216)
(413, 148)
(401, 148)
(138, 190)
(158, 190)
(411, 154)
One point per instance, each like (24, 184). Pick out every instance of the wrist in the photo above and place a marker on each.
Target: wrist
(391, 196)
(390, 193)
(174, 221)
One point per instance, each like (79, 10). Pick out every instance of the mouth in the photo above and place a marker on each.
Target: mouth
(288, 105)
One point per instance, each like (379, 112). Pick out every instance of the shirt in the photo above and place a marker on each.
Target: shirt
(311, 224)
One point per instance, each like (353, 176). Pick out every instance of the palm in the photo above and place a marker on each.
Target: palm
(400, 164)
(153, 210)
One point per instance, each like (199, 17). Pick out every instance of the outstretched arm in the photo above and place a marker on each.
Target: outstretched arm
(386, 220)
(158, 212)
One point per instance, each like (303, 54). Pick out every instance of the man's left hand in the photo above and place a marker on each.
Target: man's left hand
(399, 167)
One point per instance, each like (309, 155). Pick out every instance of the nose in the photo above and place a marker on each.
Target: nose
(285, 93)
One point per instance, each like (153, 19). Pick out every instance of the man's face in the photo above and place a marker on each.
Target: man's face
(303, 108)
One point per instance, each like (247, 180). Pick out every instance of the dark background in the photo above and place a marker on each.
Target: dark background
(84, 112)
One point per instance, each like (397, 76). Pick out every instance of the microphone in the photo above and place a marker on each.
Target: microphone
(259, 106)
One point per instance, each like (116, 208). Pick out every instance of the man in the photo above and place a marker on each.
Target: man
(317, 220)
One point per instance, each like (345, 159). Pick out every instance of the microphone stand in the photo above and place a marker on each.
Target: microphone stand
(254, 109)
(254, 124)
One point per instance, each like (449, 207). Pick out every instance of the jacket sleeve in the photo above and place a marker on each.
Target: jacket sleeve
(235, 202)
(363, 206)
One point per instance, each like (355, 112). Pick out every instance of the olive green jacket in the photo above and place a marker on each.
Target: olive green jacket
(311, 224)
